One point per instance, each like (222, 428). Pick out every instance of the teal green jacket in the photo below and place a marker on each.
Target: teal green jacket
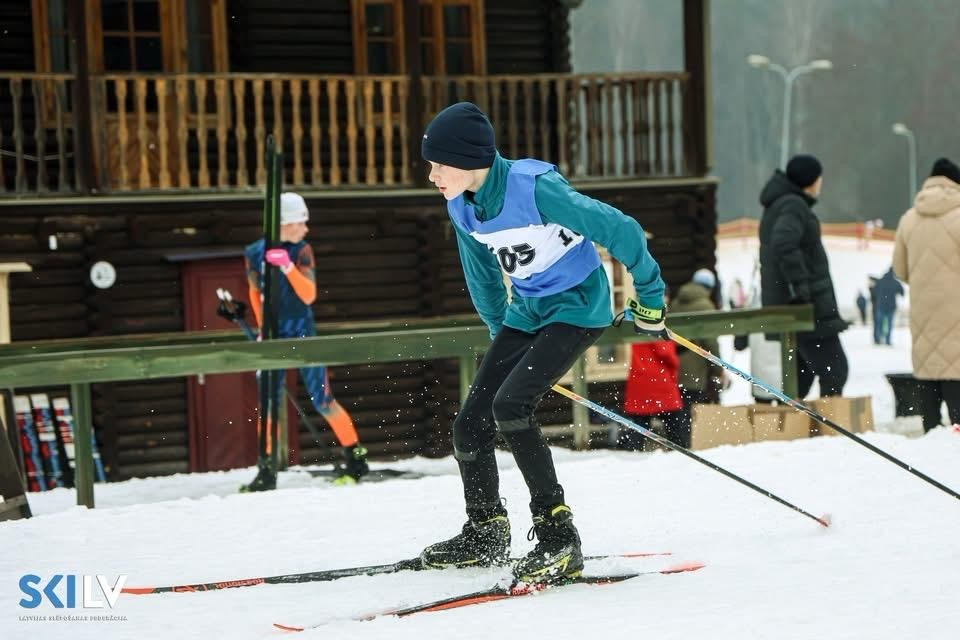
(585, 305)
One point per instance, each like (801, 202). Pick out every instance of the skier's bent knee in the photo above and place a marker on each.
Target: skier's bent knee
(516, 424)
(464, 456)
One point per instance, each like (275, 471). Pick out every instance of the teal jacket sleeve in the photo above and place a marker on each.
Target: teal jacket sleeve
(484, 280)
(609, 227)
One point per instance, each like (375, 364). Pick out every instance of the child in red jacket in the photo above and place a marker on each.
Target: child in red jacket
(651, 391)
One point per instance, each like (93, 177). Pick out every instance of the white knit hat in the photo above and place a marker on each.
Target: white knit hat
(293, 208)
(705, 277)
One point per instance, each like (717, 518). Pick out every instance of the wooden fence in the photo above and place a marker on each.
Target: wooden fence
(863, 231)
(178, 132)
(208, 130)
(37, 138)
(590, 125)
(82, 362)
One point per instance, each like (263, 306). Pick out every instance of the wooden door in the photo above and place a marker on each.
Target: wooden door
(221, 408)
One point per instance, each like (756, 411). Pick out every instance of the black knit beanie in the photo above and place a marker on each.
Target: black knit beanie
(943, 167)
(460, 136)
(803, 170)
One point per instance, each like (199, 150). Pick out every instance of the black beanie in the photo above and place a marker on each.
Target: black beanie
(460, 136)
(803, 170)
(943, 167)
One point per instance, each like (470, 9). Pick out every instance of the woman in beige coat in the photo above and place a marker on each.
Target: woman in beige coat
(927, 257)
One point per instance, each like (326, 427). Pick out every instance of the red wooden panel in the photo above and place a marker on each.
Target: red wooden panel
(222, 407)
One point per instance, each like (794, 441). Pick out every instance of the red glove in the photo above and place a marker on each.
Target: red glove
(279, 258)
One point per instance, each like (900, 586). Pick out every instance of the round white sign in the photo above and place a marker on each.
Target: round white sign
(103, 275)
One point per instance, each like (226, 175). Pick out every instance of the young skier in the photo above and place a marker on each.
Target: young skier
(296, 292)
(522, 217)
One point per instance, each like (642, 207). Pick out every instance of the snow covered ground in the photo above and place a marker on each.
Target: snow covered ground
(886, 569)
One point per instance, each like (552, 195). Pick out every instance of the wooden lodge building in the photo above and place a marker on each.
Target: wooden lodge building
(133, 132)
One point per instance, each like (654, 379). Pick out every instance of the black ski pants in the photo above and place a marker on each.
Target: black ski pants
(824, 358)
(515, 373)
(932, 395)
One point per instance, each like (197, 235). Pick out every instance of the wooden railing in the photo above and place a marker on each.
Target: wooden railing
(166, 132)
(112, 358)
(590, 125)
(37, 139)
(862, 231)
(207, 131)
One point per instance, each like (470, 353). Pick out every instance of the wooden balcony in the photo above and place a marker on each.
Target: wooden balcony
(206, 132)
(37, 137)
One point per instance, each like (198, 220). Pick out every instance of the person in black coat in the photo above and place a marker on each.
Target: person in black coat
(885, 306)
(794, 270)
(862, 307)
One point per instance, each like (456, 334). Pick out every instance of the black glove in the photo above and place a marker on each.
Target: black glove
(646, 321)
(740, 343)
(232, 310)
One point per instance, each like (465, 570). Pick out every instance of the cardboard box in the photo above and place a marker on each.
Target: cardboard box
(853, 414)
(779, 422)
(712, 425)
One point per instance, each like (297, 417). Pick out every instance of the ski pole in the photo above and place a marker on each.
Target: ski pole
(271, 314)
(824, 520)
(799, 406)
(234, 313)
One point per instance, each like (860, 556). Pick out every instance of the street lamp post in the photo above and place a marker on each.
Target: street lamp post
(763, 62)
(902, 130)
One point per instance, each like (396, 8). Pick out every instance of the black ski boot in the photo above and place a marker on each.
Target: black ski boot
(557, 554)
(484, 541)
(354, 465)
(266, 480)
